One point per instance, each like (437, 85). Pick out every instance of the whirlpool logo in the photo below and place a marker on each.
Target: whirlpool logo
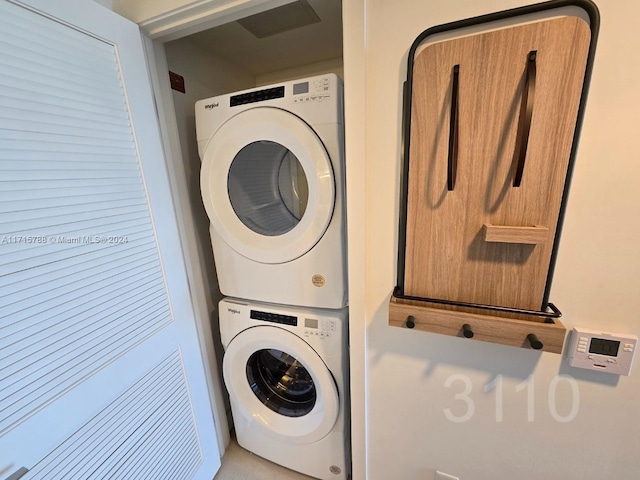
(211, 105)
(233, 310)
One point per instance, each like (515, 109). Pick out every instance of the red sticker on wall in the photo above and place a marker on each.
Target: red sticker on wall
(177, 82)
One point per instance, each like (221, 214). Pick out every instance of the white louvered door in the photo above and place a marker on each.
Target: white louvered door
(101, 374)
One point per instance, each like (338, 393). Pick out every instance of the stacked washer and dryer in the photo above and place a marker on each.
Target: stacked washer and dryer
(272, 183)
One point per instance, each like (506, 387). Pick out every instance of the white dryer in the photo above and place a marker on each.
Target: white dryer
(272, 184)
(286, 370)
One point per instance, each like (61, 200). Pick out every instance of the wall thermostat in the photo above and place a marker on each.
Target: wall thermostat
(602, 351)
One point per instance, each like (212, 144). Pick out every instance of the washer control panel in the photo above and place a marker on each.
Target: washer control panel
(274, 317)
(319, 328)
(602, 351)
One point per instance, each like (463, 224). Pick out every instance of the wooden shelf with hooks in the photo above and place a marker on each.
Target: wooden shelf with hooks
(492, 110)
(538, 332)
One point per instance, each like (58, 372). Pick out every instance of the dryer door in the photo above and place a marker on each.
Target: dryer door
(267, 185)
(276, 380)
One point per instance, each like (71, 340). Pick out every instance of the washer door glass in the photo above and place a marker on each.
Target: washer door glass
(281, 382)
(280, 385)
(268, 188)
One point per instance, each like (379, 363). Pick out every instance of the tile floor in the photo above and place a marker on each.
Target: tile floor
(239, 464)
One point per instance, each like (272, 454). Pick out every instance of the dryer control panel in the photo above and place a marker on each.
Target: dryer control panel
(314, 90)
(319, 328)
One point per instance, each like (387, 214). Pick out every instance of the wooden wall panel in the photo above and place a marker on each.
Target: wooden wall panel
(447, 256)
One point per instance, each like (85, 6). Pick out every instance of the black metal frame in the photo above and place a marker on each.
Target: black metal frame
(594, 23)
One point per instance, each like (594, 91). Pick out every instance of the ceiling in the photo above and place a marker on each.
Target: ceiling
(306, 45)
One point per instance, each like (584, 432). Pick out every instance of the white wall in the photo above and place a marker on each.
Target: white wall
(106, 3)
(140, 11)
(596, 281)
(319, 68)
(356, 120)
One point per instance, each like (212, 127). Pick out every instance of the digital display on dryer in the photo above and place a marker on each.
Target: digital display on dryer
(274, 318)
(299, 88)
(311, 323)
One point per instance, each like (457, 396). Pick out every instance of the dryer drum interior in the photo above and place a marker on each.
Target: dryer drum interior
(268, 188)
(281, 382)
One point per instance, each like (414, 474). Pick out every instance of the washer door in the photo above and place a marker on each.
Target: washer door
(276, 379)
(267, 185)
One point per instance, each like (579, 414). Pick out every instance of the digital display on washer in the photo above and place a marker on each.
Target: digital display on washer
(258, 96)
(299, 88)
(274, 318)
(602, 346)
(311, 323)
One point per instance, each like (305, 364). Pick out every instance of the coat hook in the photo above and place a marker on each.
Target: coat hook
(466, 330)
(535, 343)
(411, 321)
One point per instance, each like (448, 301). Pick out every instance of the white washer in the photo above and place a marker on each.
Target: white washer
(272, 184)
(286, 371)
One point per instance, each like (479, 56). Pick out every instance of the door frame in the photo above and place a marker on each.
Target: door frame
(174, 161)
(189, 16)
(204, 14)
(170, 25)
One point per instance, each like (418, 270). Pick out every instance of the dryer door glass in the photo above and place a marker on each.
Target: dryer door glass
(281, 382)
(268, 188)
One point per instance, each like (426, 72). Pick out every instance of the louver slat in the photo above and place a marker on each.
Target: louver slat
(81, 282)
(147, 432)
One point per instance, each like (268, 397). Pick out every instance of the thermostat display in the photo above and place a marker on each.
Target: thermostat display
(602, 351)
(602, 346)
